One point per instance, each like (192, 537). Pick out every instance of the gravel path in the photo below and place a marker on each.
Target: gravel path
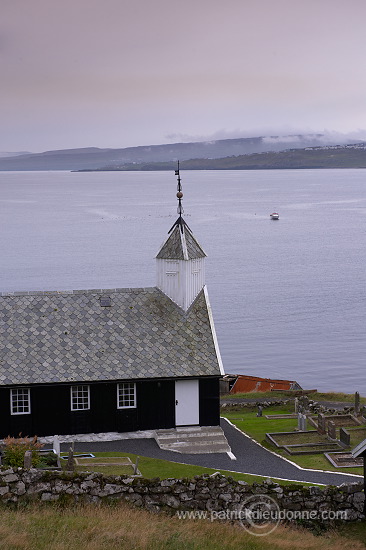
(251, 458)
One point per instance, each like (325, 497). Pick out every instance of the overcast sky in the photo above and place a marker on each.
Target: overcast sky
(119, 73)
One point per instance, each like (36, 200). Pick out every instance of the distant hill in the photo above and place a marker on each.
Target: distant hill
(14, 154)
(341, 156)
(95, 158)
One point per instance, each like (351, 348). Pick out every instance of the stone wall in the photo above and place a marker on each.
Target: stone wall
(211, 493)
(313, 406)
(232, 406)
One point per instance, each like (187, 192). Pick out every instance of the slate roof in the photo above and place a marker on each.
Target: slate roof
(49, 337)
(181, 245)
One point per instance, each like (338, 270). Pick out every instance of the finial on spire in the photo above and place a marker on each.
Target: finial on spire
(180, 222)
(179, 194)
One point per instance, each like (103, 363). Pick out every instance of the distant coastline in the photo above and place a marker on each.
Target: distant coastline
(260, 153)
(295, 159)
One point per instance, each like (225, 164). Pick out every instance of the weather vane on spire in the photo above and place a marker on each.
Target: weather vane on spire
(180, 222)
(179, 194)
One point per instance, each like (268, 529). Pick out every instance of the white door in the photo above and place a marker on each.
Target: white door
(186, 403)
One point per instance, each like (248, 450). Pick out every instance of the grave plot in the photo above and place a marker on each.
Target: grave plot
(279, 416)
(123, 465)
(340, 420)
(346, 421)
(280, 439)
(344, 460)
(309, 449)
(306, 442)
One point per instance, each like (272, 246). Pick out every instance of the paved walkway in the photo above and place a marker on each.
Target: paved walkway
(252, 458)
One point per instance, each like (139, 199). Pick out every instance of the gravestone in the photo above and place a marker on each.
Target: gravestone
(357, 403)
(260, 410)
(301, 422)
(56, 445)
(70, 466)
(27, 460)
(296, 405)
(135, 468)
(299, 415)
(332, 432)
(57, 449)
(303, 425)
(321, 424)
(345, 437)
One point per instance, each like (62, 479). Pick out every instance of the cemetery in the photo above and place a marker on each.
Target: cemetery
(312, 434)
(332, 434)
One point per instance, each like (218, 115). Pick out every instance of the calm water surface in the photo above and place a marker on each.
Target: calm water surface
(288, 296)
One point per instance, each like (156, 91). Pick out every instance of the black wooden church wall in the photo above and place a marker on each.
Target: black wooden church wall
(51, 410)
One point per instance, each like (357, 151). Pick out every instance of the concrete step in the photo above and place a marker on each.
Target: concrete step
(193, 440)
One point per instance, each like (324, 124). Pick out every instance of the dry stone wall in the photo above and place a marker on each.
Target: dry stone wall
(211, 493)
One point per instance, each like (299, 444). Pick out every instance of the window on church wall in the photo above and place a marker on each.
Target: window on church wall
(126, 395)
(80, 398)
(20, 401)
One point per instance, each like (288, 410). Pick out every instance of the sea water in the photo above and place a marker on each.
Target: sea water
(288, 296)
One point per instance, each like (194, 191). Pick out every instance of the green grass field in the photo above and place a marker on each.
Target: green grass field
(154, 467)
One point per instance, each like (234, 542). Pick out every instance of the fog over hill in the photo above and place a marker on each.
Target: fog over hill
(94, 157)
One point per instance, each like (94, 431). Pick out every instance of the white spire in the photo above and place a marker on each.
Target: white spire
(180, 262)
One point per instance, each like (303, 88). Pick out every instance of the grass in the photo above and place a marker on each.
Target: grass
(119, 526)
(316, 396)
(357, 435)
(257, 427)
(154, 467)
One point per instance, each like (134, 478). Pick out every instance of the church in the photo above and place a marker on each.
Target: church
(113, 360)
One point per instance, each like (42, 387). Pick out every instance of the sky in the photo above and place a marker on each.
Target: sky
(120, 73)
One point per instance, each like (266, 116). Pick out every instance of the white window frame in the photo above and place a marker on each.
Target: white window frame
(121, 396)
(74, 399)
(14, 399)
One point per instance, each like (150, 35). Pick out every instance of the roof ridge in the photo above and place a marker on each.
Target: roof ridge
(184, 244)
(77, 291)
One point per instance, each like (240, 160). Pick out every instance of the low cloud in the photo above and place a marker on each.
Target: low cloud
(347, 137)
(285, 135)
(220, 134)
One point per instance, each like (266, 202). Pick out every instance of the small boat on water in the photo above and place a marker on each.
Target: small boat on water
(274, 216)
